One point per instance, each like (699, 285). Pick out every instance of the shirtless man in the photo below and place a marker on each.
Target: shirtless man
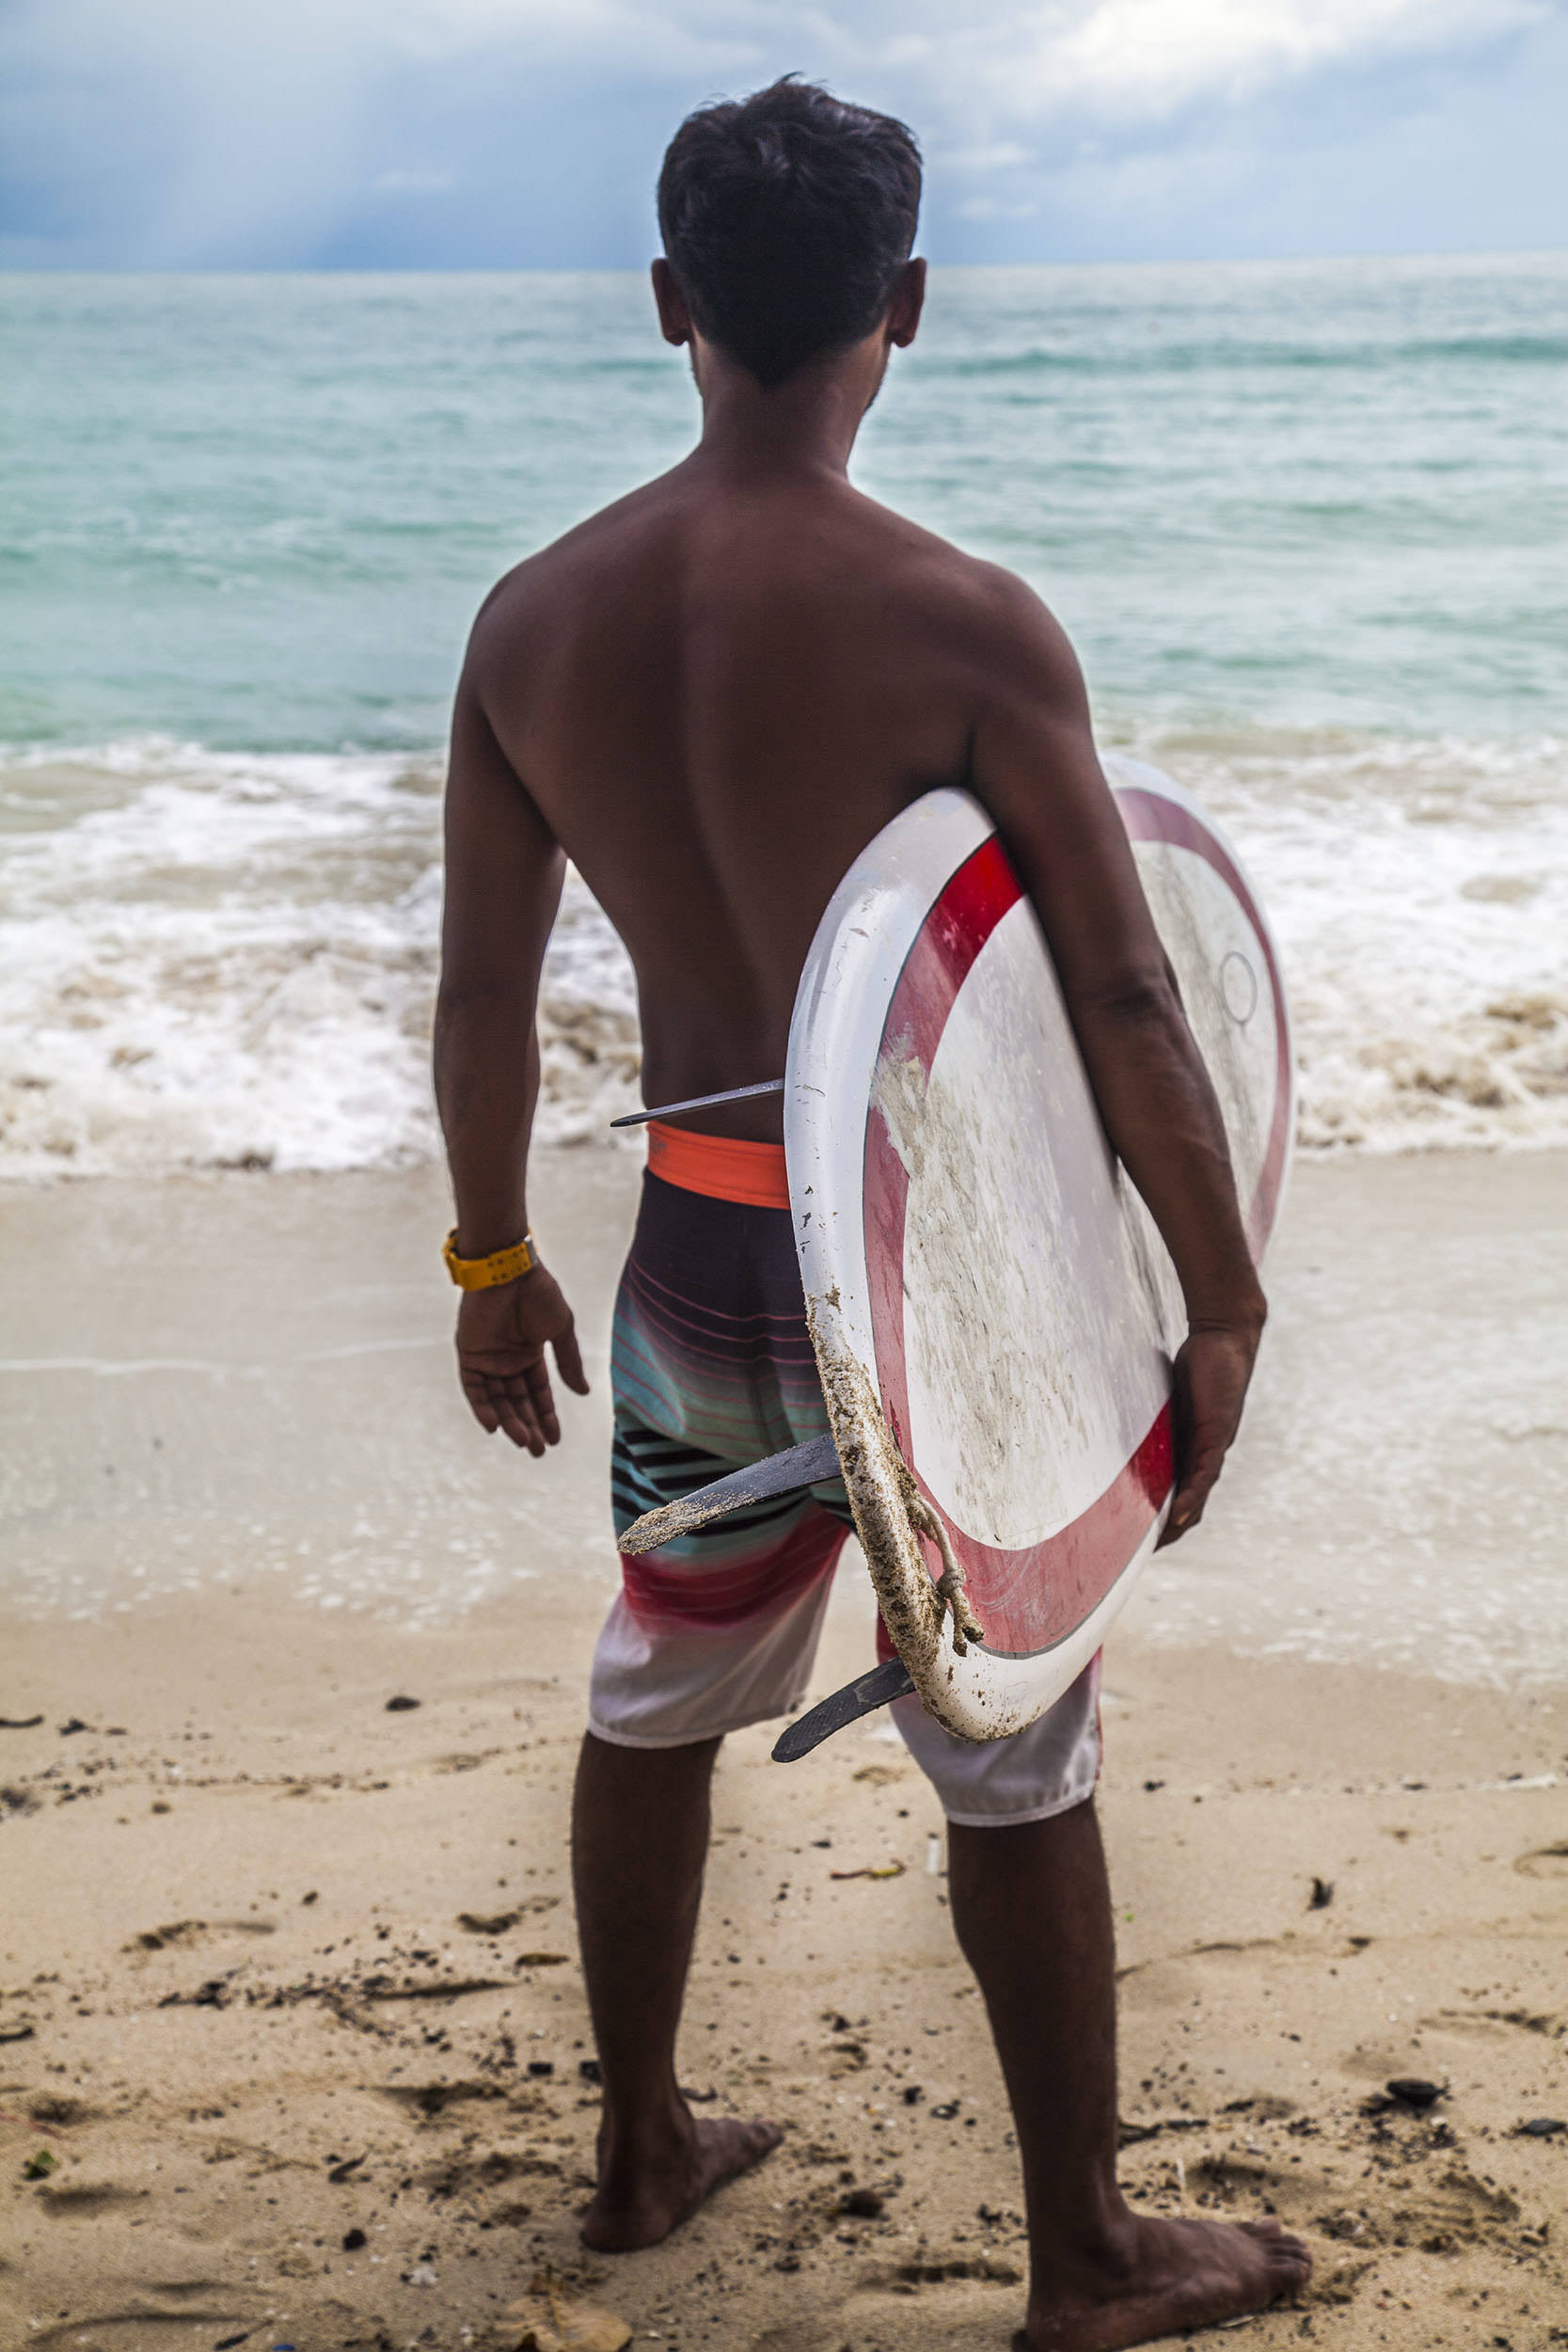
(710, 697)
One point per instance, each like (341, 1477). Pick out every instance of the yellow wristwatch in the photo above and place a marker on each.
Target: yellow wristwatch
(484, 1274)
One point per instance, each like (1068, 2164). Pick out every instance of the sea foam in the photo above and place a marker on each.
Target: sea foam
(212, 960)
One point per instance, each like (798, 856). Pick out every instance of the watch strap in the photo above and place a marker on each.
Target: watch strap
(484, 1274)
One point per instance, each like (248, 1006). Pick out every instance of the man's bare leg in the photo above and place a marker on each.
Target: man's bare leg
(640, 1831)
(1031, 1907)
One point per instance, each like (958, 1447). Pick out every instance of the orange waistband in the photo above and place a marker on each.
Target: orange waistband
(721, 1166)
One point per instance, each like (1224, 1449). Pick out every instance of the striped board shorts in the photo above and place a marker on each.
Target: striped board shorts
(711, 1369)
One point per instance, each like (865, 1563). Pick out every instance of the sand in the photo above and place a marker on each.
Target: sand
(294, 2035)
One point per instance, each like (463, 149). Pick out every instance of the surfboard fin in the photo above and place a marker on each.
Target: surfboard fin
(890, 1681)
(700, 1102)
(784, 1473)
(798, 1466)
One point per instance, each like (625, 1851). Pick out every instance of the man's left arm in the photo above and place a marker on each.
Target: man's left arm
(504, 872)
(1034, 766)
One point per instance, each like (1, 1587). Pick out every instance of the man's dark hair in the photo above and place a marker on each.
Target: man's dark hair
(786, 217)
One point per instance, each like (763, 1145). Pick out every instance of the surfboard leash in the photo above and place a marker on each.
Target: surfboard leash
(950, 1589)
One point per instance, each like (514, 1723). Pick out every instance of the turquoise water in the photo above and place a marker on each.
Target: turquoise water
(258, 513)
(1306, 522)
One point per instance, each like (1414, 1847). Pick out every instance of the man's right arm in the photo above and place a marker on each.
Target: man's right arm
(504, 879)
(1034, 768)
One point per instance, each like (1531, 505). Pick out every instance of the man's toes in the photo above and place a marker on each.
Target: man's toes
(732, 2147)
(1276, 2240)
(1287, 2245)
(757, 2140)
(1288, 2260)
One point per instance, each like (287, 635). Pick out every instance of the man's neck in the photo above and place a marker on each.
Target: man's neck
(805, 426)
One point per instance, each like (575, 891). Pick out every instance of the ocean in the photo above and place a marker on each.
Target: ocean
(1307, 523)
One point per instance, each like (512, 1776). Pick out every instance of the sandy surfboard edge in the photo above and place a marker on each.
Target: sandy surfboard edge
(861, 944)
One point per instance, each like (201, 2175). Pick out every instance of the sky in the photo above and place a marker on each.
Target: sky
(527, 134)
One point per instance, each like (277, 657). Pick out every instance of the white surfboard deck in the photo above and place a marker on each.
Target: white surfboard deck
(981, 1279)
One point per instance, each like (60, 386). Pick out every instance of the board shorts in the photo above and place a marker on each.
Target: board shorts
(711, 1369)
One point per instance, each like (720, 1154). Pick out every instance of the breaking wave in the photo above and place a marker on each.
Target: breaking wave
(212, 960)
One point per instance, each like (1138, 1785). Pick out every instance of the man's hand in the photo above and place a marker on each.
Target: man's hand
(502, 1338)
(1212, 1374)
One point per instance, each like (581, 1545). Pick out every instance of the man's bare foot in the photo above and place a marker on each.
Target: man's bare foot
(1168, 2275)
(639, 2202)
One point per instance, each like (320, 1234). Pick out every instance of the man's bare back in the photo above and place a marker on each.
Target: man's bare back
(717, 693)
(710, 697)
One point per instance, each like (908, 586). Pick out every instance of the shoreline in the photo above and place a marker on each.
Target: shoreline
(238, 1378)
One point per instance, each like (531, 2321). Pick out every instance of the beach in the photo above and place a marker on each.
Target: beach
(296, 2046)
(294, 2049)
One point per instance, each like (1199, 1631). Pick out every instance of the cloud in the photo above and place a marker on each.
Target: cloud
(247, 132)
(1154, 56)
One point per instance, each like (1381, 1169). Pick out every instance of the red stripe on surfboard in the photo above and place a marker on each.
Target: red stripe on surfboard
(969, 906)
(1034, 1598)
(1031, 1598)
(969, 909)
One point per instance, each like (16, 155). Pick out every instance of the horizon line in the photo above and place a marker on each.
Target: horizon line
(635, 269)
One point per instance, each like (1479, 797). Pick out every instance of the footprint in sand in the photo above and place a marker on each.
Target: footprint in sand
(58, 2106)
(431, 2099)
(79, 2202)
(1545, 1862)
(470, 2173)
(1456, 2210)
(498, 1922)
(185, 1932)
(84, 2328)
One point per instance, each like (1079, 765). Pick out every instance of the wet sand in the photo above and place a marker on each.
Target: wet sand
(282, 1965)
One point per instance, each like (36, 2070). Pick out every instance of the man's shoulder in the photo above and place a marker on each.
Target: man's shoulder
(988, 587)
(984, 605)
(587, 549)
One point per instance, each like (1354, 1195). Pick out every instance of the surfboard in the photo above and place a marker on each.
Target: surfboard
(994, 1311)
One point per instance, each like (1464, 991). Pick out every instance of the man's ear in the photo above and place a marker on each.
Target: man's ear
(675, 319)
(908, 300)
